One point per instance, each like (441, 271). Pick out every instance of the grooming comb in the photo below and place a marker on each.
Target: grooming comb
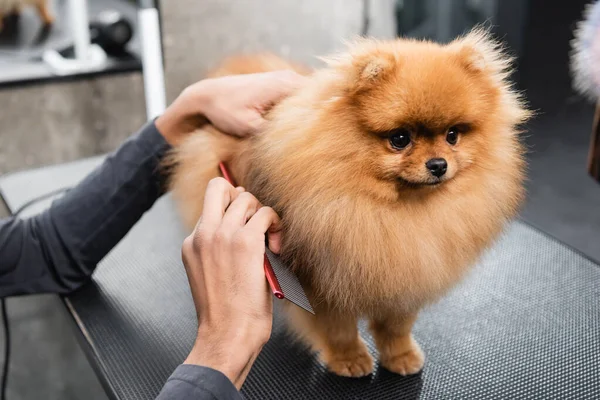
(284, 284)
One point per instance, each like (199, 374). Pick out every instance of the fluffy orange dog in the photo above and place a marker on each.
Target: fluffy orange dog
(392, 170)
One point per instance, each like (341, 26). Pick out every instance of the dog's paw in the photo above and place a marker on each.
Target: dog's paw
(407, 363)
(354, 363)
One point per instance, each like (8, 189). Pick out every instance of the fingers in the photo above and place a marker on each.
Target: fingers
(283, 83)
(263, 221)
(230, 209)
(236, 105)
(274, 87)
(275, 241)
(240, 211)
(219, 194)
(291, 80)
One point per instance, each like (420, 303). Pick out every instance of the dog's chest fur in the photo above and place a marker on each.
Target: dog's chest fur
(364, 257)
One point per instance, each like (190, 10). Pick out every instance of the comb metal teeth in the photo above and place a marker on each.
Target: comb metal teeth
(290, 285)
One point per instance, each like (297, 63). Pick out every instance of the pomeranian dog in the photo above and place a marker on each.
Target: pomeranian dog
(8, 7)
(393, 170)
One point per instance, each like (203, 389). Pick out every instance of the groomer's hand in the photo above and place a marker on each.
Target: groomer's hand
(233, 104)
(223, 258)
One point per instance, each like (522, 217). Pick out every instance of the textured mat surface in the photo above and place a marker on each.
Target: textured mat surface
(524, 324)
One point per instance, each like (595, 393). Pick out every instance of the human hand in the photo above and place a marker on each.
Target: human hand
(223, 258)
(235, 104)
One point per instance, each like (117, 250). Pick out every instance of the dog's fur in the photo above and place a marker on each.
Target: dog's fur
(8, 7)
(368, 230)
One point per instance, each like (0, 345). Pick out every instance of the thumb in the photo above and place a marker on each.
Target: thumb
(290, 80)
(274, 240)
(279, 85)
(286, 83)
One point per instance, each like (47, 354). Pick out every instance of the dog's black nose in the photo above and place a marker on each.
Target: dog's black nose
(437, 166)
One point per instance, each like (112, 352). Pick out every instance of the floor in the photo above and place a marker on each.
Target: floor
(562, 201)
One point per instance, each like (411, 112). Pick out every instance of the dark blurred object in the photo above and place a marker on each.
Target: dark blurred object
(10, 26)
(409, 16)
(441, 20)
(585, 54)
(594, 154)
(585, 72)
(444, 20)
(111, 31)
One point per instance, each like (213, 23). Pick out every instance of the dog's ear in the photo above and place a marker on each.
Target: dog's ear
(364, 66)
(371, 69)
(479, 52)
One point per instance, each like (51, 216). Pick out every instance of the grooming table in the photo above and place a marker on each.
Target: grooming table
(524, 324)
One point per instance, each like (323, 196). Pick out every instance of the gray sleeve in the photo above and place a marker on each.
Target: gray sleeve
(58, 250)
(198, 383)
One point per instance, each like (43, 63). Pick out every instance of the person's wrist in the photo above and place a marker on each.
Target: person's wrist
(200, 94)
(229, 353)
(169, 126)
(185, 115)
(234, 363)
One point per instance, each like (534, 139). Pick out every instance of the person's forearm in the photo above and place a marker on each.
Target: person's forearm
(57, 250)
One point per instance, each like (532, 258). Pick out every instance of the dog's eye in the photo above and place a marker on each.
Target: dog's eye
(400, 139)
(452, 135)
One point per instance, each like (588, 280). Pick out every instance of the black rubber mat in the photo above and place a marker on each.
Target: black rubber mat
(524, 324)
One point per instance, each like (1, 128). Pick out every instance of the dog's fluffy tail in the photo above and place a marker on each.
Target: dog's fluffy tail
(196, 161)
(253, 64)
(193, 164)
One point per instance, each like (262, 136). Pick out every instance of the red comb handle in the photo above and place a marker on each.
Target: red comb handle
(271, 278)
(225, 174)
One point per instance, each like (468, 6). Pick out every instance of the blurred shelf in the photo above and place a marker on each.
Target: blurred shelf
(24, 39)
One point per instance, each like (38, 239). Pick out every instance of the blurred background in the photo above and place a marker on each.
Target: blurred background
(47, 119)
